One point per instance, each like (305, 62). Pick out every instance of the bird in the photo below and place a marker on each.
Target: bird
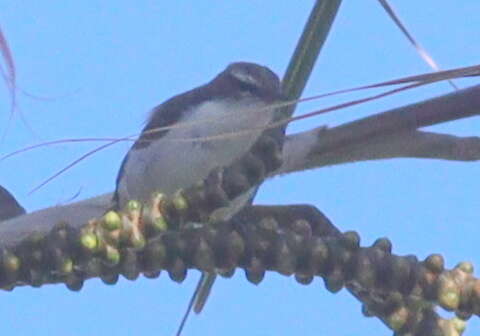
(170, 153)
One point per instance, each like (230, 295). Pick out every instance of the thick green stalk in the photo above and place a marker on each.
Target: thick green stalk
(308, 48)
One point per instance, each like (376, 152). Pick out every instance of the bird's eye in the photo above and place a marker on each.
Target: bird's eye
(248, 87)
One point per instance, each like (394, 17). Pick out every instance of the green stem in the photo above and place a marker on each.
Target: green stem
(308, 48)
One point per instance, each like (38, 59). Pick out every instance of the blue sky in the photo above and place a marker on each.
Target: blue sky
(104, 66)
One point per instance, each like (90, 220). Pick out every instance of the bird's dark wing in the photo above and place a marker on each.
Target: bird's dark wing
(170, 112)
(166, 114)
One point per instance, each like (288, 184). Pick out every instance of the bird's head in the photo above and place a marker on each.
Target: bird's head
(251, 79)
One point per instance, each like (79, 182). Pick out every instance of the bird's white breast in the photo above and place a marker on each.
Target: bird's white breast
(185, 155)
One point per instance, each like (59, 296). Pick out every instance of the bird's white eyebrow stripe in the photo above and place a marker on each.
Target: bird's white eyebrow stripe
(244, 77)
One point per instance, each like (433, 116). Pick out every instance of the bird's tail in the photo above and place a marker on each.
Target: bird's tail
(205, 286)
(199, 298)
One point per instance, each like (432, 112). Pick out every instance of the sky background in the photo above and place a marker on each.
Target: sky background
(103, 67)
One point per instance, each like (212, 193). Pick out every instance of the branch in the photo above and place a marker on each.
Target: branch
(297, 239)
(391, 134)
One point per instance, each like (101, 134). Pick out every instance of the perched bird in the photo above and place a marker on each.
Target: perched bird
(9, 207)
(168, 159)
